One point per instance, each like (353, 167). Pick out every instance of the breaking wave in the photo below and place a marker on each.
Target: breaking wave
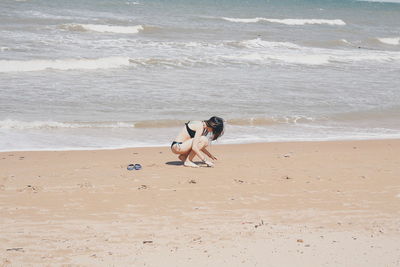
(288, 21)
(390, 41)
(270, 121)
(26, 125)
(22, 125)
(63, 64)
(226, 53)
(258, 43)
(102, 28)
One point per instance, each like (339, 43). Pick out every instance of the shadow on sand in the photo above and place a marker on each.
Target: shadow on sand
(180, 163)
(175, 163)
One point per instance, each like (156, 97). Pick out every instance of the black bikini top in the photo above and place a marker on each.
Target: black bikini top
(191, 132)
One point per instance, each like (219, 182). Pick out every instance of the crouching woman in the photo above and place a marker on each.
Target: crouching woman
(192, 141)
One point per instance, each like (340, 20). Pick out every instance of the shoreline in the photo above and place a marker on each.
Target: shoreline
(298, 203)
(218, 144)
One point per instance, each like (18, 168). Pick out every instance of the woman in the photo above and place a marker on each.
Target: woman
(192, 140)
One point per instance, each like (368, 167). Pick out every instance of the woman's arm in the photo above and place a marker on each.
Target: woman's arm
(195, 145)
(211, 156)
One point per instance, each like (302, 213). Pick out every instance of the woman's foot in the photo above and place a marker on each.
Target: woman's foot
(182, 157)
(209, 163)
(189, 163)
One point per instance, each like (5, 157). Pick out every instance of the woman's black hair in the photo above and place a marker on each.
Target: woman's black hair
(217, 125)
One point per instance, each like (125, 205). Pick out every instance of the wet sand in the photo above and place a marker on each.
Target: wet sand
(267, 204)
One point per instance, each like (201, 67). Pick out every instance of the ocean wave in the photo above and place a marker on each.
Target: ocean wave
(288, 21)
(258, 43)
(289, 56)
(132, 3)
(102, 28)
(63, 64)
(226, 53)
(270, 121)
(259, 58)
(27, 125)
(344, 41)
(22, 125)
(390, 41)
(330, 43)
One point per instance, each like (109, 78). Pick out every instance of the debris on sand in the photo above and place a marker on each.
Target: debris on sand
(197, 239)
(85, 185)
(260, 224)
(15, 249)
(30, 188)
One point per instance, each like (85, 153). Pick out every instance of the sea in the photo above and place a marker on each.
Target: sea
(102, 74)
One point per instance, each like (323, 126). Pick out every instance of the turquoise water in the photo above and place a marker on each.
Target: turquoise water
(103, 74)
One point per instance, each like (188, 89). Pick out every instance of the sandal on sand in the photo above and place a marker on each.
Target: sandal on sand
(134, 167)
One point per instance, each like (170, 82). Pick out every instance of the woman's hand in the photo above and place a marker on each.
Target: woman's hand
(213, 157)
(209, 163)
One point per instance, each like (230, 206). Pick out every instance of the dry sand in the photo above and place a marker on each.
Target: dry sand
(270, 204)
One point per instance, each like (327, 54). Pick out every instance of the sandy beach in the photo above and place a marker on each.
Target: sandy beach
(267, 204)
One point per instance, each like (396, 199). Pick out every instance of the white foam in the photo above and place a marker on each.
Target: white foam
(289, 21)
(258, 43)
(390, 41)
(374, 57)
(103, 28)
(23, 125)
(259, 58)
(254, 20)
(132, 3)
(63, 64)
(345, 41)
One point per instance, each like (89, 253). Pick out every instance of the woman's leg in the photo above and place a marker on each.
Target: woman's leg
(183, 149)
(186, 154)
(202, 144)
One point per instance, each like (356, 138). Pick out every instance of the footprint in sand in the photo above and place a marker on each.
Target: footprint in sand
(85, 185)
(31, 188)
(142, 187)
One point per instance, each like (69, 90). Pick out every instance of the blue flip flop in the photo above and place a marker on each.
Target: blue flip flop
(134, 167)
